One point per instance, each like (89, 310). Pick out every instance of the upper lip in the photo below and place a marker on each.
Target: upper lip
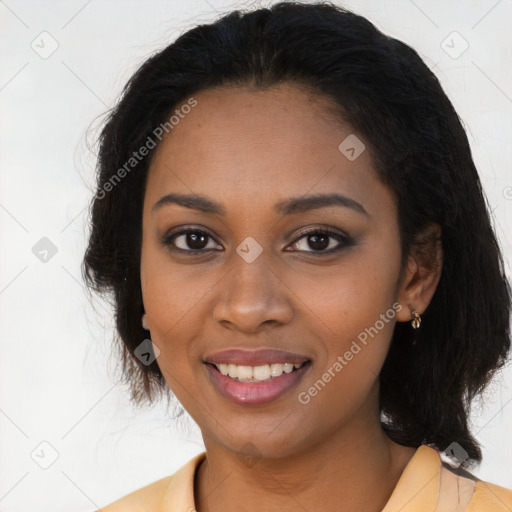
(255, 357)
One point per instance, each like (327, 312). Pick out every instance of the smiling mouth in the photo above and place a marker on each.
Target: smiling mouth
(260, 373)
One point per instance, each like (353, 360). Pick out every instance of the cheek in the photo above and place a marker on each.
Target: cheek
(176, 300)
(164, 300)
(353, 295)
(355, 306)
(171, 293)
(346, 374)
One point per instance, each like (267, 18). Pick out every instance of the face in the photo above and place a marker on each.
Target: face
(315, 280)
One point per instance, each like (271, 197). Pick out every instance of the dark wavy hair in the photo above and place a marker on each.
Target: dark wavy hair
(383, 89)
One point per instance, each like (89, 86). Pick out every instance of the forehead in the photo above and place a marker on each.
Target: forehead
(244, 146)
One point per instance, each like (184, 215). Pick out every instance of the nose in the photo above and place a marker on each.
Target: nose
(253, 295)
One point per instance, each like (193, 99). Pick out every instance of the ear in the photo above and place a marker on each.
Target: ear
(422, 272)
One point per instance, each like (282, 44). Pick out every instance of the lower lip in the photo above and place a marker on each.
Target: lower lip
(255, 393)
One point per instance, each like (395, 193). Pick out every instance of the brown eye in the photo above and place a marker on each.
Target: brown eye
(196, 240)
(188, 240)
(320, 241)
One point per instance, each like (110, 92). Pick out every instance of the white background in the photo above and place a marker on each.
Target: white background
(57, 376)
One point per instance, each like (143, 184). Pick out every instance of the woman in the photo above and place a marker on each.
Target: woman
(295, 235)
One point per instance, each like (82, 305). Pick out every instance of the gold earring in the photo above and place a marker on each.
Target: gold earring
(416, 318)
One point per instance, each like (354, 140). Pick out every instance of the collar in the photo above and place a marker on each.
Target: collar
(417, 489)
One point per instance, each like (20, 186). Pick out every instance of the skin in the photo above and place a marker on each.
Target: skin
(248, 150)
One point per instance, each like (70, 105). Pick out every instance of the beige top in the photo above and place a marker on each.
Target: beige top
(426, 485)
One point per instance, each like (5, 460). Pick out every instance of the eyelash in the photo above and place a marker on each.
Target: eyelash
(343, 239)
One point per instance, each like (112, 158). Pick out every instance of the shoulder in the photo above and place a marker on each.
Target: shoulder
(174, 492)
(146, 499)
(430, 483)
(490, 497)
(478, 495)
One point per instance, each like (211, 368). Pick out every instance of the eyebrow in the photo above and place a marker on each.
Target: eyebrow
(286, 207)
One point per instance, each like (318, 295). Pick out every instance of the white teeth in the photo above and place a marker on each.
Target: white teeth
(276, 370)
(261, 372)
(287, 367)
(256, 373)
(244, 372)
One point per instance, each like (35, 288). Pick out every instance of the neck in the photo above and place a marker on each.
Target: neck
(354, 469)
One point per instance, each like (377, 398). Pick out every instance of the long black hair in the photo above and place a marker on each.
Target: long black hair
(387, 94)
